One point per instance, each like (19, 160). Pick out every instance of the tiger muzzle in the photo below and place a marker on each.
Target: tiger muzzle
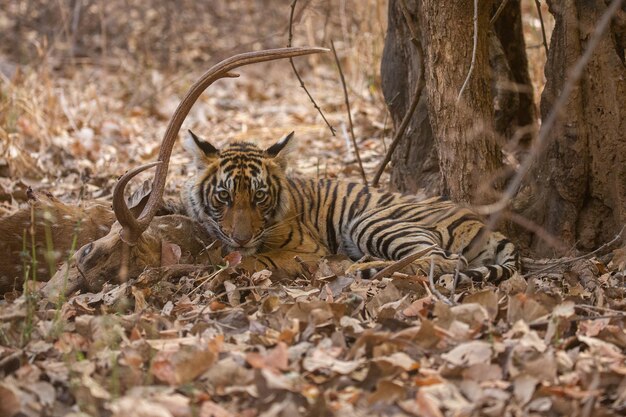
(242, 237)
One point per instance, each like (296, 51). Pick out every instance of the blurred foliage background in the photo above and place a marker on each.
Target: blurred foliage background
(87, 86)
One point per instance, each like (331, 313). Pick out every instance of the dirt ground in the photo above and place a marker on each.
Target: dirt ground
(86, 90)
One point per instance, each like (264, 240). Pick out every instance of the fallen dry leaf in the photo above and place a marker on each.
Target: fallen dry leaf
(184, 364)
(211, 409)
(276, 359)
(321, 359)
(83, 106)
(469, 353)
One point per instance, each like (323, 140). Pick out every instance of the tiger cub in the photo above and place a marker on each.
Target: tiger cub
(243, 197)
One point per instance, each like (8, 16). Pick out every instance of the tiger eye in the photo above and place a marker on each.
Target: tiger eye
(259, 195)
(223, 195)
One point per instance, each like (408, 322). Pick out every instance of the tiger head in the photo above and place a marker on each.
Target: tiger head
(239, 193)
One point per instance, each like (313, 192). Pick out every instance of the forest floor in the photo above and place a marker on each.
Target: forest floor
(550, 342)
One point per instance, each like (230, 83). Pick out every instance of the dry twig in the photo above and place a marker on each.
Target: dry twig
(498, 12)
(590, 401)
(539, 231)
(403, 125)
(433, 289)
(455, 280)
(544, 322)
(205, 280)
(471, 68)
(345, 95)
(585, 256)
(400, 264)
(589, 308)
(414, 100)
(574, 76)
(543, 28)
(295, 70)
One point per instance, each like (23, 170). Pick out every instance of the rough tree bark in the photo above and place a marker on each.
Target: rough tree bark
(416, 152)
(469, 156)
(579, 184)
(464, 136)
(521, 126)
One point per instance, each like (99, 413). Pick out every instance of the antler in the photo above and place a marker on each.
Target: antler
(132, 227)
(125, 217)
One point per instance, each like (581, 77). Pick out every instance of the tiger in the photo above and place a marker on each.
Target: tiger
(245, 197)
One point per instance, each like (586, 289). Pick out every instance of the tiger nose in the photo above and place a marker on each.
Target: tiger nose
(242, 238)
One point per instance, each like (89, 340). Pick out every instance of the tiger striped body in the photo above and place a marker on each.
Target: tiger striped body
(243, 197)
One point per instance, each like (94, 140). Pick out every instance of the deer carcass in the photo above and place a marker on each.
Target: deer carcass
(135, 242)
(168, 240)
(35, 239)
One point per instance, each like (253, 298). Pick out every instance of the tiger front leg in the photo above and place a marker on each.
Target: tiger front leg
(290, 262)
(396, 240)
(442, 262)
(289, 254)
(418, 262)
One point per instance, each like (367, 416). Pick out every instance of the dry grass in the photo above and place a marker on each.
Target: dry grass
(83, 99)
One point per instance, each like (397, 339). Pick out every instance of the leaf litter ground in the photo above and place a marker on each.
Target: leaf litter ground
(224, 343)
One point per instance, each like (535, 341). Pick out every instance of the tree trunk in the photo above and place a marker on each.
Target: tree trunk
(468, 153)
(416, 153)
(580, 180)
(520, 124)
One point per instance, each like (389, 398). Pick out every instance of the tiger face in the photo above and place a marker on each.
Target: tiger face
(239, 192)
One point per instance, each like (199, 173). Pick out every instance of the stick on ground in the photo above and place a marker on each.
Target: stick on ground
(345, 95)
(295, 70)
(471, 68)
(414, 100)
(433, 289)
(574, 75)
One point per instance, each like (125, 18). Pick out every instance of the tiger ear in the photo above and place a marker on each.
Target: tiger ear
(202, 151)
(281, 150)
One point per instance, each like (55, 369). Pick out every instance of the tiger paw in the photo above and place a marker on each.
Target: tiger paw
(447, 281)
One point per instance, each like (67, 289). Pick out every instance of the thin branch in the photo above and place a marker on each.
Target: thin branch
(295, 71)
(455, 281)
(345, 95)
(589, 308)
(471, 68)
(205, 280)
(414, 100)
(543, 28)
(433, 289)
(533, 227)
(542, 138)
(400, 264)
(409, 23)
(585, 256)
(403, 125)
(498, 12)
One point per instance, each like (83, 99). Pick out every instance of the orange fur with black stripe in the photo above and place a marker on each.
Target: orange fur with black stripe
(243, 196)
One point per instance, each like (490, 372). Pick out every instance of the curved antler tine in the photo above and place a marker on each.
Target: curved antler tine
(219, 70)
(131, 229)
